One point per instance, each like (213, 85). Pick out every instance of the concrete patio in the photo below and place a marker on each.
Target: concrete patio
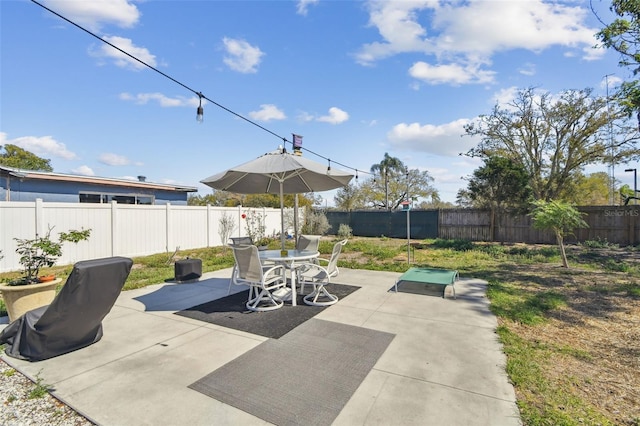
(445, 365)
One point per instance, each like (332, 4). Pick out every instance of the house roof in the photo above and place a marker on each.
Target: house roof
(61, 177)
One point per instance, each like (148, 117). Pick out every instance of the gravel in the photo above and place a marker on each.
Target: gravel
(19, 408)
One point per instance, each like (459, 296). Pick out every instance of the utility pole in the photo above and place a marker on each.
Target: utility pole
(612, 175)
(386, 188)
(635, 184)
(408, 222)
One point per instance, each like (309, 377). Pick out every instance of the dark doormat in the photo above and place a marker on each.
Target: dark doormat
(231, 312)
(305, 378)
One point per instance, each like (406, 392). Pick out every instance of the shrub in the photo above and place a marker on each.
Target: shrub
(455, 244)
(254, 226)
(344, 231)
(599, 243)
(226, 226)
(315, 223)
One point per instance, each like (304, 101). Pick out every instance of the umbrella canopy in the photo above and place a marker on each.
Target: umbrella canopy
(279, 172)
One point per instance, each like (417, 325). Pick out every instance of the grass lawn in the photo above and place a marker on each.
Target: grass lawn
(571, 336)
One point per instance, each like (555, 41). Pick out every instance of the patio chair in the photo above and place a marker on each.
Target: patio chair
(237, 241)
(319, 277)
(267, 284)
(74, 319)
(308, 242)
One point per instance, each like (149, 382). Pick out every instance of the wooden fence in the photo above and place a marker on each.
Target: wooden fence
(615, 224)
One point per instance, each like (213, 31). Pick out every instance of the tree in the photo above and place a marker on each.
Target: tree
(559, 217)
(591, 190)
(396, 182)
(388, 168)
(349, 198)
(273, 200)
(435, 204)
(499, 184)
(627, 195)
(415, 183)
(623, 35)
(14, 156)
(554, 137)
(229, 199)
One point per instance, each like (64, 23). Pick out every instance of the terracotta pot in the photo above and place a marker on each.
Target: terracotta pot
(22, 298)
(46, 278)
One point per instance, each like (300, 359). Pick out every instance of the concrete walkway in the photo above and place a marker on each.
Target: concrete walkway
(444, 367)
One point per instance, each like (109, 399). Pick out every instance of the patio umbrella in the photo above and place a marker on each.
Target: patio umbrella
(279, 172)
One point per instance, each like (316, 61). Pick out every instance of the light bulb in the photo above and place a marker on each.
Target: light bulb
(200, 114)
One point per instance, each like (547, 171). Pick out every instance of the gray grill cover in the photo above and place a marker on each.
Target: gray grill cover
(74, 319)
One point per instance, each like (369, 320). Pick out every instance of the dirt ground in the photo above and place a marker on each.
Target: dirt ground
(594, 340)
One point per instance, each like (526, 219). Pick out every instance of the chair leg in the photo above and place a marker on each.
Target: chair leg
(320, 292)
(233, 277)
(253, 304)
(301, 280)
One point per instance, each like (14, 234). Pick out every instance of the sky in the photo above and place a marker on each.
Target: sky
(356, 79)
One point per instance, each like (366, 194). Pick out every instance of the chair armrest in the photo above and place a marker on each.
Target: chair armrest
(312, 271)
(277, 269)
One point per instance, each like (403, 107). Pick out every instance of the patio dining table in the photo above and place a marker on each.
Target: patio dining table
(289, 261)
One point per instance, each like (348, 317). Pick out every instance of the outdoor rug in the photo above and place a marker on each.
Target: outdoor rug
(304, 378)
(231, 312)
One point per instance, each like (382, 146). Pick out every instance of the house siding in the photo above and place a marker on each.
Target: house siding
(13, 188)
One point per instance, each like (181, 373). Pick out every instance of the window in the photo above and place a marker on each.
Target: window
(102, 198)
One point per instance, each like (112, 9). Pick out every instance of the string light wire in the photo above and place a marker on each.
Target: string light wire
(195, 92)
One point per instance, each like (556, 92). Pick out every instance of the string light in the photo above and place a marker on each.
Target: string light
(200, 110)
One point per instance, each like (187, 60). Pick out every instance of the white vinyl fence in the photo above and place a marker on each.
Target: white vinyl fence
(121, 229)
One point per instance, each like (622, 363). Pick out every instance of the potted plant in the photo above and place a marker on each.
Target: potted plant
(31, 291)
(263, 243)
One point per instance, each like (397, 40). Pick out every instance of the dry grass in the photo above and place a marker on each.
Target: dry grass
(591, 342)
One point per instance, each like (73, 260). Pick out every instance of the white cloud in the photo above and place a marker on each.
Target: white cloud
(241, 56)
(505, 96)
(162, 100)
(114, 159)
(486, 27)
(454, 74)
(83, 170)
(528, 69)
(305, 117)
(42, 146)
(267, 112)
(445, 139)
(611, 80)
(336, 116)
(461, 37)
(95, 14)
(105, 51)
(397, 24)
(303, 6)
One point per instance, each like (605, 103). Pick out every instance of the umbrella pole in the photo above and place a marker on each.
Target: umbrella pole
(295, 218)
(281, 217)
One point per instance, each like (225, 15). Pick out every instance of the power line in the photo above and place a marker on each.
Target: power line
(195, 92)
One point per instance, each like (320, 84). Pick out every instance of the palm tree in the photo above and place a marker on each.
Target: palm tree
(388, 164)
